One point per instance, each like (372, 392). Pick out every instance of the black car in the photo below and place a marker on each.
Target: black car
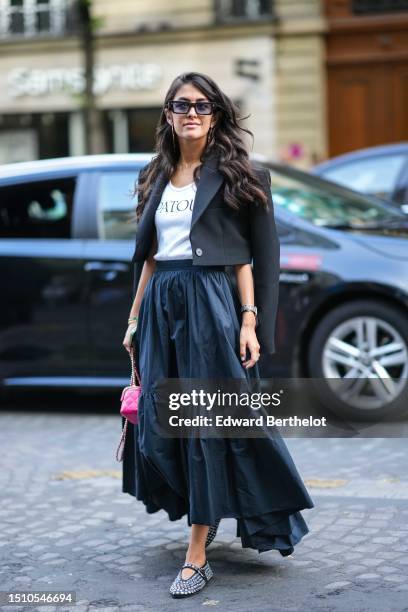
(380, 171)
(67, 236)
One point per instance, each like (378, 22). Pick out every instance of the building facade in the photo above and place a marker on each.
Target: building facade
(367, 73)
(268, 55)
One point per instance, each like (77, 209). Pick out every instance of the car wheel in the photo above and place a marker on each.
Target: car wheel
(365, 345)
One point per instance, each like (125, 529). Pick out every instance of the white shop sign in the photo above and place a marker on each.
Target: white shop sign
(37, 82)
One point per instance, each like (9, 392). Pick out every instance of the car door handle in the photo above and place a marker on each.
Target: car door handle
(102, 266)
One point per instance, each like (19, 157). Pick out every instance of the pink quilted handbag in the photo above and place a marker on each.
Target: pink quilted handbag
(129, 405)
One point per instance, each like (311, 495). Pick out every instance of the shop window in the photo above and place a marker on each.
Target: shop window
(26, 136)
(33, 17)
(364, 7)
(248, 10)
(117, 205)
(142, 124)
(41, 209)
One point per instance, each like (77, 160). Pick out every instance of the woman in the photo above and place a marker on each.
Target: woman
(202, 206)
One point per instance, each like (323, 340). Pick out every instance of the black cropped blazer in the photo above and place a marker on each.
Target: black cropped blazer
(219, 235)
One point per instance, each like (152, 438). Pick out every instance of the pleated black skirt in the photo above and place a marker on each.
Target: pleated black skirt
(189, 327)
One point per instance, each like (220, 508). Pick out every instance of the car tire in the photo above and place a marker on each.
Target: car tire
(386, 320)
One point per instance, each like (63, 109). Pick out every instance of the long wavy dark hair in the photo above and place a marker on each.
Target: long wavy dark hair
(242, 185)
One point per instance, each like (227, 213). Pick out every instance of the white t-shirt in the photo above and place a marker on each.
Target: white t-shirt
(173, 222)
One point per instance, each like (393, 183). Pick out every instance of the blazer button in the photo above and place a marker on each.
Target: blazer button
(199, 252)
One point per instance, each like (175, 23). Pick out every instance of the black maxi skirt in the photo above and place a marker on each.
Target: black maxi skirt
(189, 327)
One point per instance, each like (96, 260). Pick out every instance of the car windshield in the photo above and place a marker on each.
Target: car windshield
(328, 205)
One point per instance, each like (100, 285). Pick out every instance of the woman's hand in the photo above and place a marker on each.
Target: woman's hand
(127, 342)
(248, 339)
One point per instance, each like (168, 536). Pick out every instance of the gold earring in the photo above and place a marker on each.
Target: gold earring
(172, 134)
(210, 135)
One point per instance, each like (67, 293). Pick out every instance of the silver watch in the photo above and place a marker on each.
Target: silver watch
(250, 308)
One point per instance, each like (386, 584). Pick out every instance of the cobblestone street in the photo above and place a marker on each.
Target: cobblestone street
(66, 525)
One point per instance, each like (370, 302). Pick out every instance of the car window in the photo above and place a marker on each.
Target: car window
(375, 176)
(117, 205)
(325, 204)
(40, 209)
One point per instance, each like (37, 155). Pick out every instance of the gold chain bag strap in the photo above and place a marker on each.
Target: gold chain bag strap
(129, 404)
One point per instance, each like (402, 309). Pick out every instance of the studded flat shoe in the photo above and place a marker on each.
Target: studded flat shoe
(212, 532)
(184, 587)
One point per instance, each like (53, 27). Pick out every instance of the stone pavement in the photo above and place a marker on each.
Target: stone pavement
(66, 525)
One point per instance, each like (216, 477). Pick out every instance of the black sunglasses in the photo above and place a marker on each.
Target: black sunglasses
(181, 107)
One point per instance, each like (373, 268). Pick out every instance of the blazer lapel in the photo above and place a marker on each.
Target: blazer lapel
(210, 181)
(146, 223)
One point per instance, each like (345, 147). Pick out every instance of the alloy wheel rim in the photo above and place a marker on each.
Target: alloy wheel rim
(370, 357)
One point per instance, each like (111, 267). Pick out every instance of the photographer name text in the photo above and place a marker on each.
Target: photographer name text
(259, 421)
